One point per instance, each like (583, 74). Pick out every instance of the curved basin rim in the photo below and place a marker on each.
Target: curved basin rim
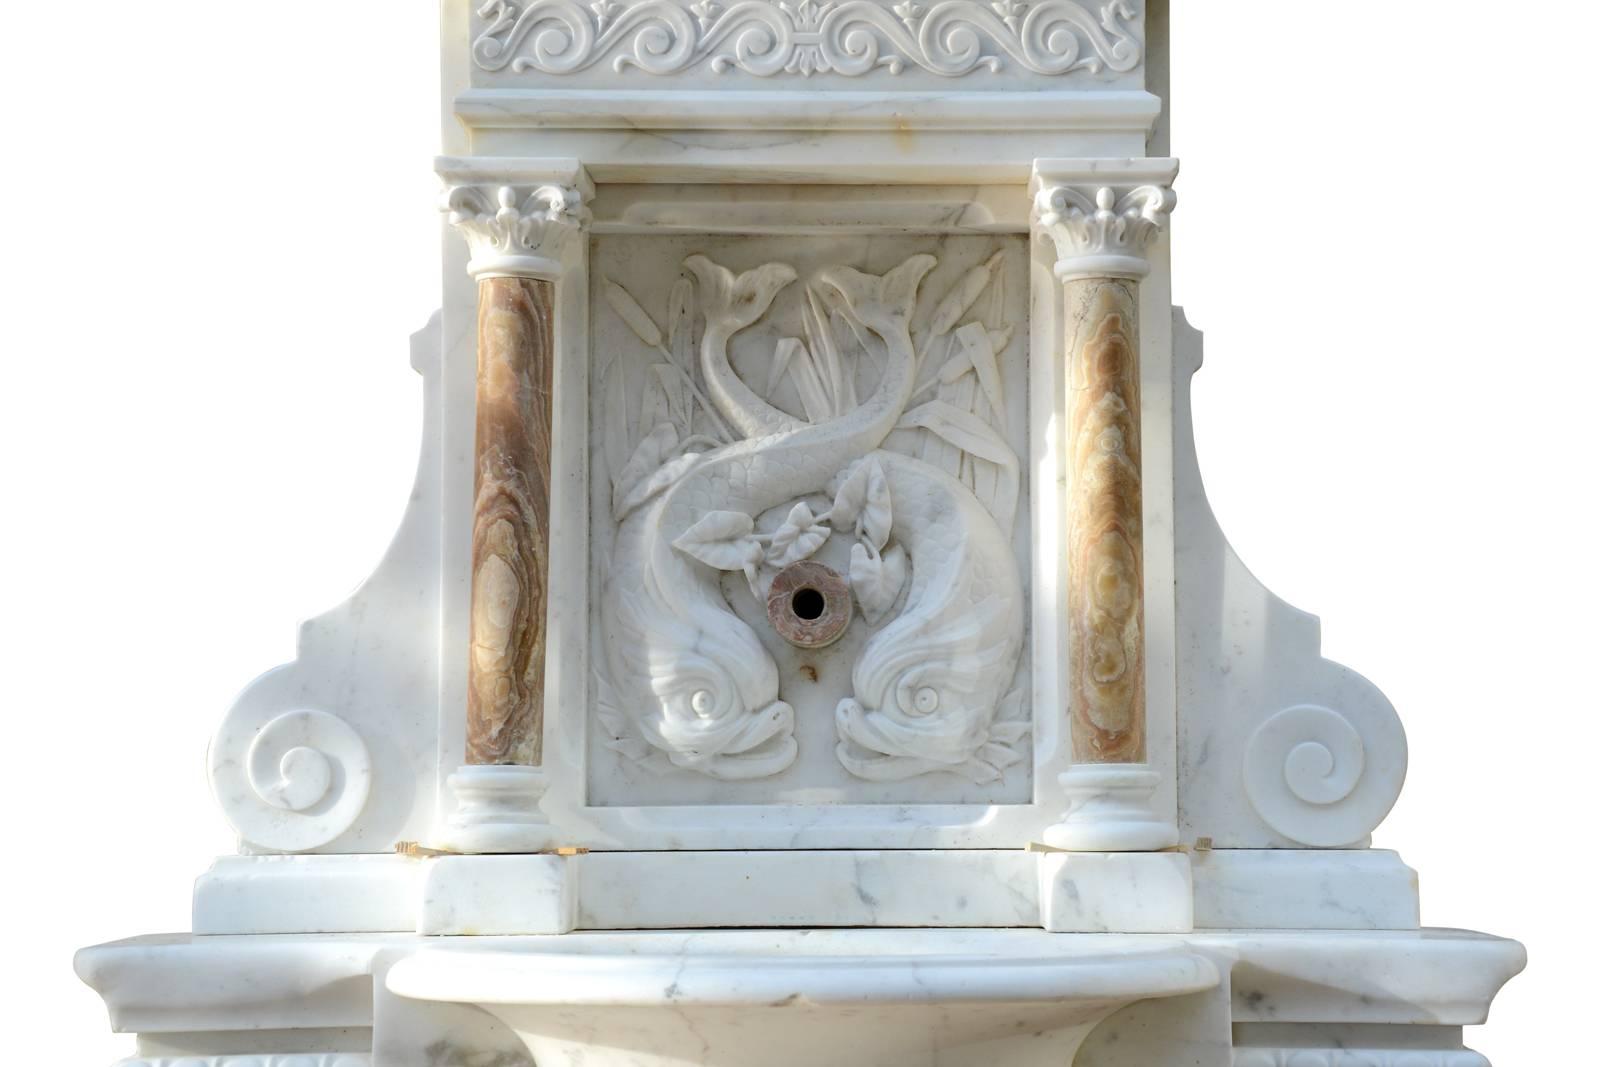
(499, 976)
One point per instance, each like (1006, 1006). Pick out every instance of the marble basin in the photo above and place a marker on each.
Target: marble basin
(846, 998)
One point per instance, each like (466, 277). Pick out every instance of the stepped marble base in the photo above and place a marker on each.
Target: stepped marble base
(1232, 889)
(880, 997)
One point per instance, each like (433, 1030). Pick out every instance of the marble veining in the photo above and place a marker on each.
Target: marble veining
(1105, 532)
(511, 522)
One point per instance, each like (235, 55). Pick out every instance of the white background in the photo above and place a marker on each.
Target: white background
(220, 227)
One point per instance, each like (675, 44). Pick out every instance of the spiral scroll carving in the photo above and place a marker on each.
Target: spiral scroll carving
(1322, 779)
(292, 783)
(950, 38)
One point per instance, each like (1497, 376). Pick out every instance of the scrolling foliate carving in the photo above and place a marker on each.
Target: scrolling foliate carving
(716, 478)
(846, 37)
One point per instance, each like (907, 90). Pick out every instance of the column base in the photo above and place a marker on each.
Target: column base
(497, 810)
(1111, 809)
(1116, 892)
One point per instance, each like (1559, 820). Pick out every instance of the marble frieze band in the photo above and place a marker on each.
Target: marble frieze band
(950, 38)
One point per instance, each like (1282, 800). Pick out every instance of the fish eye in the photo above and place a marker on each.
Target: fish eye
(703, 702)
(926, 700)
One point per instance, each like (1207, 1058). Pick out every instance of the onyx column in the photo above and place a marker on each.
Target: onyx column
(521, 234)
(1101, 233)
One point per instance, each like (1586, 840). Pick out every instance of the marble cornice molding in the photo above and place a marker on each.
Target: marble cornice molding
(1103, 216)
(1055, 111)
(520, 218)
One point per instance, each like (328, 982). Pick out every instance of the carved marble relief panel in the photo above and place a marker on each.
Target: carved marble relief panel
(809, 500)
(909, 41)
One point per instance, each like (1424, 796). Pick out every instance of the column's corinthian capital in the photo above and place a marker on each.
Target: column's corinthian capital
(521, 217)
(1102, 215)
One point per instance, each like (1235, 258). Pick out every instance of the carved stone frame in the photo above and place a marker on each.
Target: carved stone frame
(645, 208)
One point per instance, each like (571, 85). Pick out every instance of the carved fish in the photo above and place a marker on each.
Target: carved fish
(702, 689)
(928, 685)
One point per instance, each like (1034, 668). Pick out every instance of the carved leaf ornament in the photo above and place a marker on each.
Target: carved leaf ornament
(876, 579)
(766, 38)
(863, 500)
(726, 541)
(798, 538)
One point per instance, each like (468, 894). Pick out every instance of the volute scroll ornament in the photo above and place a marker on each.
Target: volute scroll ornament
(1324, 778)
(292, 783)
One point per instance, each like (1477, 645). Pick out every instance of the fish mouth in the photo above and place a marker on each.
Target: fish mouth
(765, 746)
(761, 727)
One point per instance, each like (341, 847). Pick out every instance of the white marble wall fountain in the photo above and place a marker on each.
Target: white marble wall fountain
(808, 642)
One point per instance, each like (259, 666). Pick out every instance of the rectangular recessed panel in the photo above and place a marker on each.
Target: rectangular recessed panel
(810, 536)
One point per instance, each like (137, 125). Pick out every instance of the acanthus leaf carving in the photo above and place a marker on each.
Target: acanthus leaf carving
(687, 683)
(517, 230)
(1100, 231)
(851, 38)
